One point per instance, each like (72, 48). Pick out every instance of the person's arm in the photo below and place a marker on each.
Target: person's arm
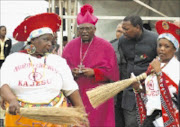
(9, 96)
(75, 99)
(156, 65)
(136, 85)
(2, 102)
(96, 73)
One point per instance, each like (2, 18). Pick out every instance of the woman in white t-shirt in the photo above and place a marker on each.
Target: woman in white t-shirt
(33, 77)
(161, 86)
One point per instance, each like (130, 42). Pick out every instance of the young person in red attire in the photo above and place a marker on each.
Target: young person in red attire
(93, 62)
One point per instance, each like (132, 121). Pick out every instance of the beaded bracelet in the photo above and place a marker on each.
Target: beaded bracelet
(136, 91)
(158, 73)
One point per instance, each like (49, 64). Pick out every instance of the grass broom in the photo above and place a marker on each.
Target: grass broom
(56, 115)
(102, 93)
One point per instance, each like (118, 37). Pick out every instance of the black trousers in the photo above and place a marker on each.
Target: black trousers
(1, 62)
(148, 122)
(119, 117)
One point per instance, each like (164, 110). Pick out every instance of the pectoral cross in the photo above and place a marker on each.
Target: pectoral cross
(81, 66)
(34, 75)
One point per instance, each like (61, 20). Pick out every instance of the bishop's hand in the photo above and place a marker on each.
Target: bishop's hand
(75, 72)
(88, 72)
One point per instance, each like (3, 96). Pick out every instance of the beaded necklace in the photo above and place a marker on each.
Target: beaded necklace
(82, 57)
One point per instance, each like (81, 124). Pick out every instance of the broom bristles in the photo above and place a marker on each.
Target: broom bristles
(102, 93)
(56, 115)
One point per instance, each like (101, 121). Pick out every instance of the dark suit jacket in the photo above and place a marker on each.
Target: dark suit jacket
(7, 47)
(138, 54)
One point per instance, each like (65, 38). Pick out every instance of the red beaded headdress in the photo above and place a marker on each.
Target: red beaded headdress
(45, 20)
(167, 27)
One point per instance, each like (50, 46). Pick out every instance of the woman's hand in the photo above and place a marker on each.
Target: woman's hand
(156, 65)
(14, 107)
(10, 98)
(2, 102)
(76, 101)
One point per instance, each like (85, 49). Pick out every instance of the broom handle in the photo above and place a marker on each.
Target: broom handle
(143, 75)
(139, 77)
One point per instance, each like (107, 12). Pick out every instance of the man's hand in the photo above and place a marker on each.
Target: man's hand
(135, 85)
(75, 72)
(88, 72)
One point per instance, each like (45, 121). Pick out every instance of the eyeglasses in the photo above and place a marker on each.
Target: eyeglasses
(85, 28)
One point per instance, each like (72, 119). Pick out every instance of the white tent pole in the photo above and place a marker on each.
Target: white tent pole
(122, 17)
(61, 28)
(53, 6)
(149, 7)
(49, 6)
(69, 20)
(74, 30)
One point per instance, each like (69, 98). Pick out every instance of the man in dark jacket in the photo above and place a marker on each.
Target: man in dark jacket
(5, 45)
(139, 49)
(119, 117)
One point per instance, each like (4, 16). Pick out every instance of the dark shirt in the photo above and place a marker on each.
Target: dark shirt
(115, 46)
(138, 54)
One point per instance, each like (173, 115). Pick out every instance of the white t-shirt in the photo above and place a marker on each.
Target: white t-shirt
(37, 83)
(152, 87)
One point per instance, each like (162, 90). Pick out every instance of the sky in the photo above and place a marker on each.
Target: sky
(13, 12)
